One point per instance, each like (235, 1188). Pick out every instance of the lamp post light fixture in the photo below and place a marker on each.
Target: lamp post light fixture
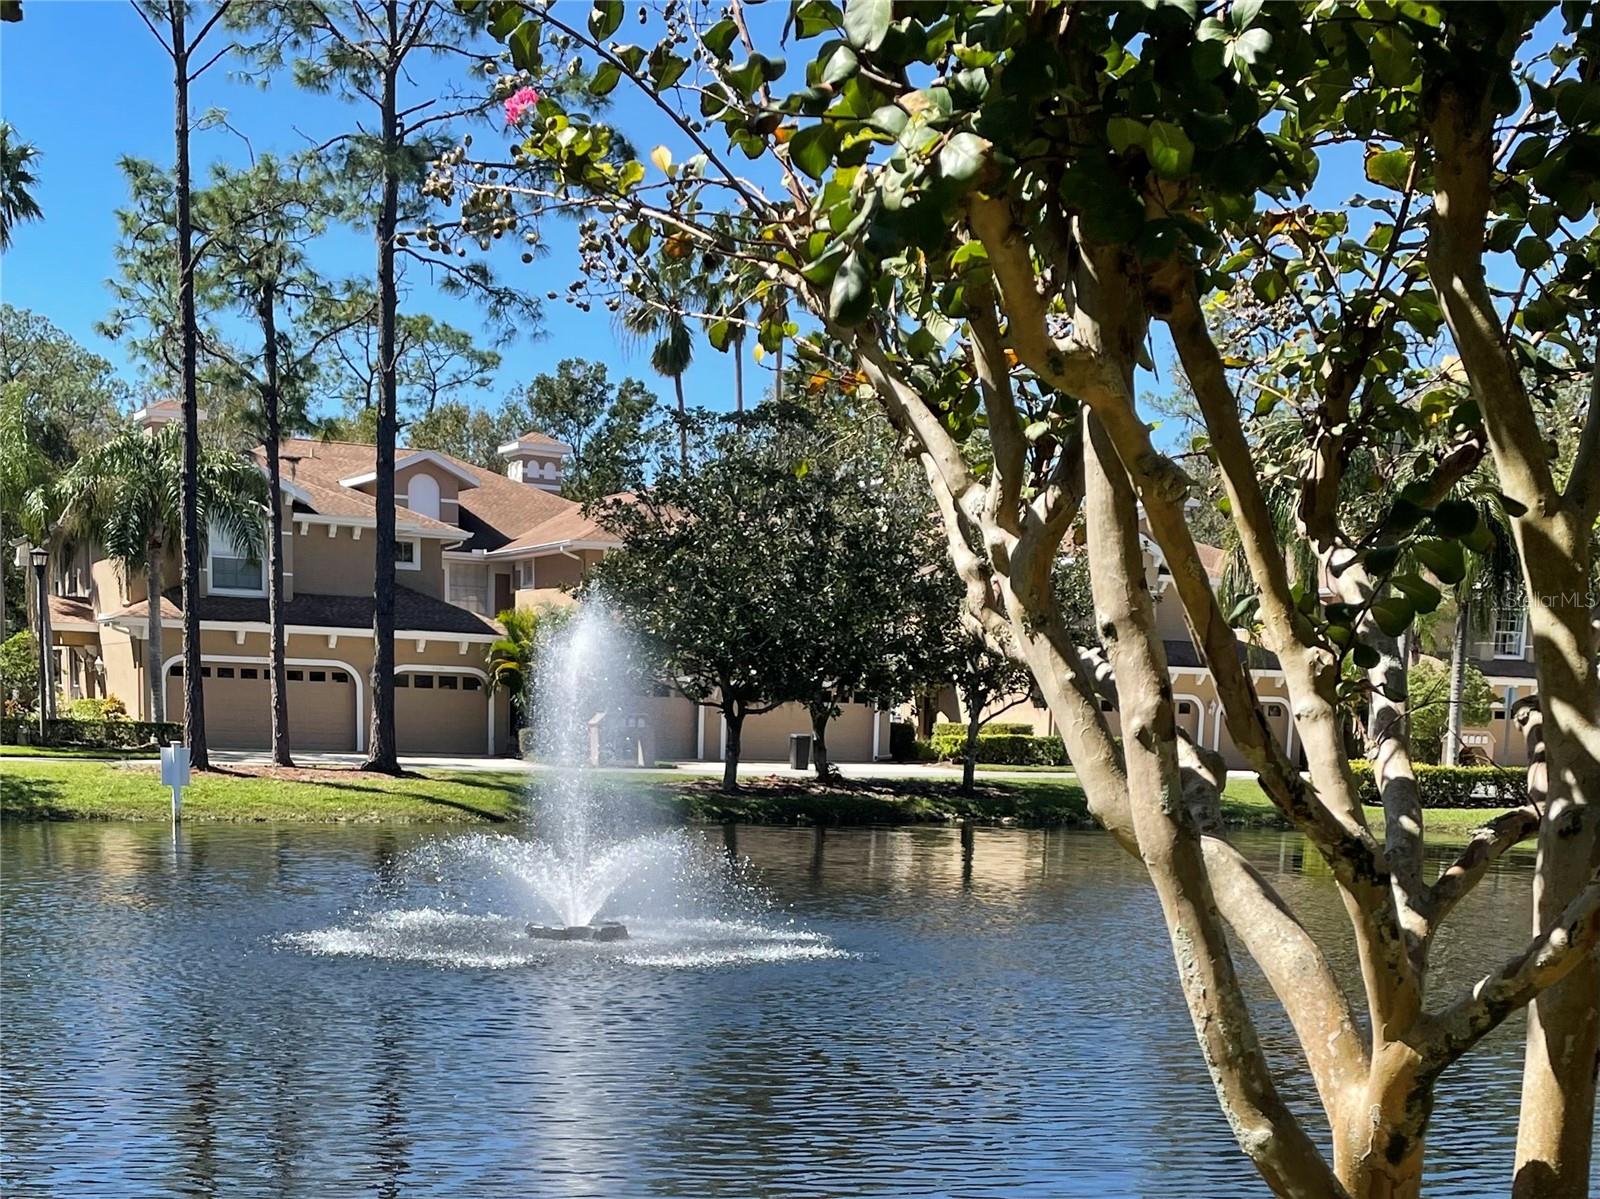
(40, 558)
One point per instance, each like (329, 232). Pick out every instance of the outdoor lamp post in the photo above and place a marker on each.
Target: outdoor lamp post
(40, 558)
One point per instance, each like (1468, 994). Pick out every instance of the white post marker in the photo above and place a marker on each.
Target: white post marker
(175, 774)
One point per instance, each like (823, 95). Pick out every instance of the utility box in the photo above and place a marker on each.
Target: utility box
(799, 751)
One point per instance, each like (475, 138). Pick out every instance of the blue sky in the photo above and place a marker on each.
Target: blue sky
(85, 82)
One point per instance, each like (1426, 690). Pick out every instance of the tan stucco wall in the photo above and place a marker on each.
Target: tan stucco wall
(766, 737)
(342, 565)
(676, 724)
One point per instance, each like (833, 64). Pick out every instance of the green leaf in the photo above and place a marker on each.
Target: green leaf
(866, 22)
(1269, 285)
(1380, 560)
(1366, 657)
(962, 157)
(850, 298)
(840, 65)
(1170, 150)
(1388, 168)
(813, 148)
(891, 119)
(1393, 615)
(718, 333)
(1455, 518)
(1424, 596)
(605, 18)
(1533, 252)
(719, 38)
(524, 45)
(606, 77)
(1123, 132)
(1445, 559)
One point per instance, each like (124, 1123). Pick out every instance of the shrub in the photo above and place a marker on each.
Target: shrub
(1455, 786)
(19, 670)
(104, 708)
(998, 728)
(902, 741)
(1002, 749)
(92, 734)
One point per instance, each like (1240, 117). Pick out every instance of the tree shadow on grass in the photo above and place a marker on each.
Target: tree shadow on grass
(31, 798)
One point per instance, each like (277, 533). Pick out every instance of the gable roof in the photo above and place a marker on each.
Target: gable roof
(495, 514)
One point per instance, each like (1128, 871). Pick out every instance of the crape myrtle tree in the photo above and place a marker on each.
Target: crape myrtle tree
(712, 580)
(993, 208)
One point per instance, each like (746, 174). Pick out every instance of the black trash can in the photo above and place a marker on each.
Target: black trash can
(799, 751)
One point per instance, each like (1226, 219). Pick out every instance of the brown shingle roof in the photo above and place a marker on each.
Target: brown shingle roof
(412, 611)
(495, 514)
(67, 612)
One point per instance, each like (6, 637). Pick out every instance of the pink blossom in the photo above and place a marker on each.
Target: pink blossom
(519, 102)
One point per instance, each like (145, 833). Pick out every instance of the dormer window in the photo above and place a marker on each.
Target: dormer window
(233, 570)
(422, 495)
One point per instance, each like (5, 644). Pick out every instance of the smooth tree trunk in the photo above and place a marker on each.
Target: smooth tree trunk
(194, 708)
(819, 740)
(1450, 752)
(157, 675)
(47, 699)
(383, 753)
(278, 667)
(969, 755)
(733, 716)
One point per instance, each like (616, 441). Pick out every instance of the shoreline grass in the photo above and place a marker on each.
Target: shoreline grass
(38, 789)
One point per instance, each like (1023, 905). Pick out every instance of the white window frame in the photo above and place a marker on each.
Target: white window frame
(1521, 632)
(216, 539)
(416, 553)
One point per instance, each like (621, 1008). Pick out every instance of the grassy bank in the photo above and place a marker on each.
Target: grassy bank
(37, 789)
(93, 755)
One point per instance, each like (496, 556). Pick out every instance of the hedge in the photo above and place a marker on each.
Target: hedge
(91, 734)
(1000, 728)
(1455, 786)
(1002, 749)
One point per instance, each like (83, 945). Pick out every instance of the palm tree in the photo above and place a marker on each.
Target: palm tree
(512, 658)
(17, 159)
(671, 354)
(126, 494)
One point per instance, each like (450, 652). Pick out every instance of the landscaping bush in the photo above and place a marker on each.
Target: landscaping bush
(92, 734)
(1455, 786)
(998, 728)
(107, 708)
(1001, 749)
(902, 741)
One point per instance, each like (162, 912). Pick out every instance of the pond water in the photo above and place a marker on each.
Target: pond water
(239, 1011)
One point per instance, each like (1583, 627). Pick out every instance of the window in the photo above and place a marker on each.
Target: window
(247, 672)
(402, 680)
(470, 684)
(422, 495)
(205, 672)
(424, 682)
(233, 569)
(339, 676)
(1107, 706)
(1273, 710)
(1185, 708)
(319, 676)
(224, 672)
(1510, 632)
(407, 556)
(1498, 714)
(447, 682)
(177, 670)
(296, 676)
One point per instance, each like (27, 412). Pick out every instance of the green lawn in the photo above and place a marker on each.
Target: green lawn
(45, 751)
(38, 789)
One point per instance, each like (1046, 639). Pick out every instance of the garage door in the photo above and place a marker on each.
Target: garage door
(440, 713)
(239, 706)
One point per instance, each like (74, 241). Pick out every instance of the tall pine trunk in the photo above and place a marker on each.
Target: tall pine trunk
(194, 708)
(278, 667)
(1450, 753)
(738, 373)
(733, 715)
(154, 669)
(683, 421)
(383, 754)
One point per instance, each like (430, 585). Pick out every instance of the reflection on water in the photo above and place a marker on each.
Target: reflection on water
(990, 1013)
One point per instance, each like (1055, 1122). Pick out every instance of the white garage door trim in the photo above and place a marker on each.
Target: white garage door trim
(355, 677)
(488, 692)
